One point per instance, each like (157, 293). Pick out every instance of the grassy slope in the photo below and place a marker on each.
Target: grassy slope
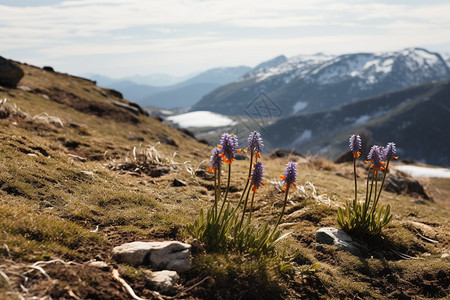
(50, 202)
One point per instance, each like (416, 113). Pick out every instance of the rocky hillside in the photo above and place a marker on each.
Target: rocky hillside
(321, 82)
(84, 171)
(415, 117)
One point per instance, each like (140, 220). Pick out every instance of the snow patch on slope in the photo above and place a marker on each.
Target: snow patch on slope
(362, 119)
(299, 106)
(416, 171)
(306, 135)
(200, 119)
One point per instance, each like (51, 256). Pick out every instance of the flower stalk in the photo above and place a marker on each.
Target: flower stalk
(369, 217)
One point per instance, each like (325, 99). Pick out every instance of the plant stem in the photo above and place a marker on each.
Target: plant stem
(375, 199)
(371, 188)
(251, 208)
(365, 206)
(246, 185)
(216, 193)
(226, 191)
(375, 194)
(356, 186)
(282, 211)
(245, 206)
(384, 178)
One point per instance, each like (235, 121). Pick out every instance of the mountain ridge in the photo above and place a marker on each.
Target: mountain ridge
(180, 94)
(310, 83)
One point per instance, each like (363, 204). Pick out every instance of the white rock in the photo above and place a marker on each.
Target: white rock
(169, 255)
(337, 237)
(98, 264)
(164, 280)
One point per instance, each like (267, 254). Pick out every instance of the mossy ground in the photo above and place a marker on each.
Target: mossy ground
(63, 196)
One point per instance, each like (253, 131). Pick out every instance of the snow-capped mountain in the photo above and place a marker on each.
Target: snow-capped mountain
(289, 69)
(311, 83)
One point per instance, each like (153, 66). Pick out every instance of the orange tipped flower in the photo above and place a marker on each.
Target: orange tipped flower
(375, 158)
(255, 144)
(389, 151)
(290, 175)
(216, 160)
(355, 145)
(257, 176)
(229, 145)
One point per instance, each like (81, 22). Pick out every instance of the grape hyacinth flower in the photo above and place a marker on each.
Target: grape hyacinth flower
(255, 144)
(228, 146)
(290, 175)
(355, 145)
(216, 160)
(256, 182)
(389, 151)
(257, 176)
(375, 158)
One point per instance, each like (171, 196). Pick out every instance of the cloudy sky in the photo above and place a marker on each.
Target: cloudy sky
(120, 38)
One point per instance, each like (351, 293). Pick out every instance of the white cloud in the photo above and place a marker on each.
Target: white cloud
(250, 31)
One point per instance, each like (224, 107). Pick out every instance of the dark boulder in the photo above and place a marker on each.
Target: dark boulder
(48, 68)
(10, 74)
(345, 157)
(405, 185)
(277, 153)
(166, 140)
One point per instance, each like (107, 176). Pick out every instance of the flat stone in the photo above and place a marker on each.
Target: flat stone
(98, 264)
(164, 281)
(337, 237)
(88, 173)
(168, 255)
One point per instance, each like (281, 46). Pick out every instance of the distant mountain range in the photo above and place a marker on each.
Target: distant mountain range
(183, 93)
(416, 118)
(312, 83)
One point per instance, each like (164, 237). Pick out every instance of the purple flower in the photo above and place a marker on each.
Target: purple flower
(376, 157)
(216, 160)
(290, 175)
(389, 151)
(355, 145)
(257, 176)
(228, 146)
(255, 143)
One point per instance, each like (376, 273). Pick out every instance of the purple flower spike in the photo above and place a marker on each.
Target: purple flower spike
(255, 143)
(257, 176)
(290, 175)
(216, 160)
(376, 157)
(228, 146)
(355, 145)
(389, 151)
